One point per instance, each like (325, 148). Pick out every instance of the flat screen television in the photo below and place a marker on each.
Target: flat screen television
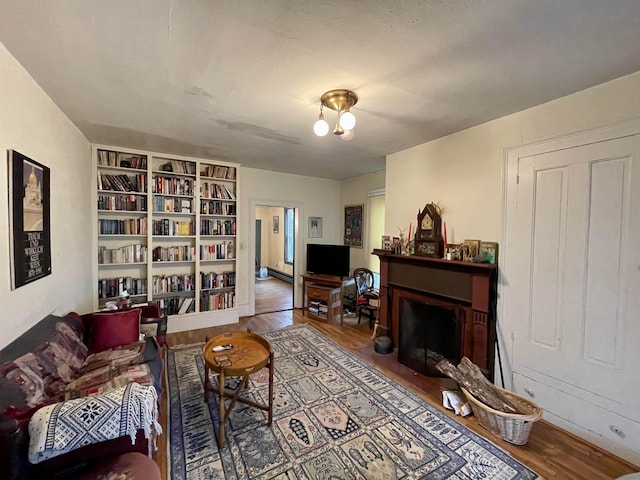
(328, 259)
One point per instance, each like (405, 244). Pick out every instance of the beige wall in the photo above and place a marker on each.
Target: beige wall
(375, 228)
(355, 191)
(463, 172)
(33, 125)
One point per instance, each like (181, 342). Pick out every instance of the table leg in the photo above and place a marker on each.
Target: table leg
(221, 412)
(341, 303)
(206, 382)
(304, 297)
(270, 387)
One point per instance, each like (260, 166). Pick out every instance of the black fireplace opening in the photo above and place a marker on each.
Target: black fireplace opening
(427, 334)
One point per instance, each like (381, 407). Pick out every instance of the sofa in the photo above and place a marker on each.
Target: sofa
(75, 391)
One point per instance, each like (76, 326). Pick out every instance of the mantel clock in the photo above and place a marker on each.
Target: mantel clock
(428, 240)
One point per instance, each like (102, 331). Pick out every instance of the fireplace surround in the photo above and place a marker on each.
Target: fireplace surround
(454, 305)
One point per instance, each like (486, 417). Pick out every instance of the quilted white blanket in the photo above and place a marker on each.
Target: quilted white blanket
(66, 426)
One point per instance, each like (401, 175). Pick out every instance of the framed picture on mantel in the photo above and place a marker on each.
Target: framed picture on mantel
(29, 219)
(490, 251)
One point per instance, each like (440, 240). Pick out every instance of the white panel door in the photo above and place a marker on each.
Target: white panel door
(573, 239)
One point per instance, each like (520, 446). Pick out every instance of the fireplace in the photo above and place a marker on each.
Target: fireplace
(428, 333)
(433, 308)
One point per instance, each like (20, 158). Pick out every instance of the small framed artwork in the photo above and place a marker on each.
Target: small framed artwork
(386, 242)
(29, 219)
(315, 227)
(490, 251)
(470, 249)
(353, 225)
(276, 224)
(396, 246)
(454, 250)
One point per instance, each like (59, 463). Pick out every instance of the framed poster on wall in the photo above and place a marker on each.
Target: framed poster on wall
(29, 219)
(353, 225)
(315, 227)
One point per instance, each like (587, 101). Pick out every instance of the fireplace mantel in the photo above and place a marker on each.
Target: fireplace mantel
(466, 284)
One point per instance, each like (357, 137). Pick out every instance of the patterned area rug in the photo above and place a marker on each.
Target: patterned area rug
(335, 417)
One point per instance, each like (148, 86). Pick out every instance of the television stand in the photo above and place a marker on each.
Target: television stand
(326, 289)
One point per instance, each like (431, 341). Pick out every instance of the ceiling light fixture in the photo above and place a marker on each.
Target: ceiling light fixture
(348, 134)
(341, 101)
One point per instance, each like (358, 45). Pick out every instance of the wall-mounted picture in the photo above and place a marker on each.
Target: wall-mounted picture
(353, 225)
(315, 227)
(29, 219)
(490, 251)
(276, 224)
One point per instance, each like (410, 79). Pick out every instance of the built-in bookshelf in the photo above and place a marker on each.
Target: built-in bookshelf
(166, 233)
(217, 233)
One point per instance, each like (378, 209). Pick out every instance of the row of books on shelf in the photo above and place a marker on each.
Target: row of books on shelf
(173, 186)
(122, 203)
(127, 226)
(123, 183)
(218, 171)
(179, 166)
(172, 205)
(215, 190)
(218, 251)
(114, 287)
(176, 305)
(109, 158)
(181, 253)
(217, 301)
(217, 227)
(217, 280)
(177, 253)
(168, 227)
(127, 254)
(216, 207)
(173, 283)
(319, 309)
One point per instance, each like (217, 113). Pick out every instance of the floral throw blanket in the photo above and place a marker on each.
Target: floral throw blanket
(62, 427)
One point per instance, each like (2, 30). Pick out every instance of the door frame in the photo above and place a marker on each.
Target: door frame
(257, 245)
(511, 155)
(298, 238)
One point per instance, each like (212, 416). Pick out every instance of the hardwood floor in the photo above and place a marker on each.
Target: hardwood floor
(273, 295)
(551, 452)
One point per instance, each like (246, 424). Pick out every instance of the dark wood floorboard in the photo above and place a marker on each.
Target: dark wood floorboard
(551, 452)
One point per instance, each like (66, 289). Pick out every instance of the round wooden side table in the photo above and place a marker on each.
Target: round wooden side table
(248, 353)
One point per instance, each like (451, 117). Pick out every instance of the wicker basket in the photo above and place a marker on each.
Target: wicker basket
(512, 427)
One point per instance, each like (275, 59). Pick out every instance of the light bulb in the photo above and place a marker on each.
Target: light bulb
(348, 134)
(348, 120)
(321, 127)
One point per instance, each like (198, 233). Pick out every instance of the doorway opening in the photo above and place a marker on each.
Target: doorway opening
(275, 253)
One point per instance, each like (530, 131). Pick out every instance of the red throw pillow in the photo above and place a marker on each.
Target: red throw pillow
(112, 329)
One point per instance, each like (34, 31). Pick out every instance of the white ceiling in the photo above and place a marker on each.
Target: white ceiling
(240, 80)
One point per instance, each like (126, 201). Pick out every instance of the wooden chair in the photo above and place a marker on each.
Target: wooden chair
(151, 314)
(367, 297)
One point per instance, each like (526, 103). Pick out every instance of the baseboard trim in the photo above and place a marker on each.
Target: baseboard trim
(282, 276)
